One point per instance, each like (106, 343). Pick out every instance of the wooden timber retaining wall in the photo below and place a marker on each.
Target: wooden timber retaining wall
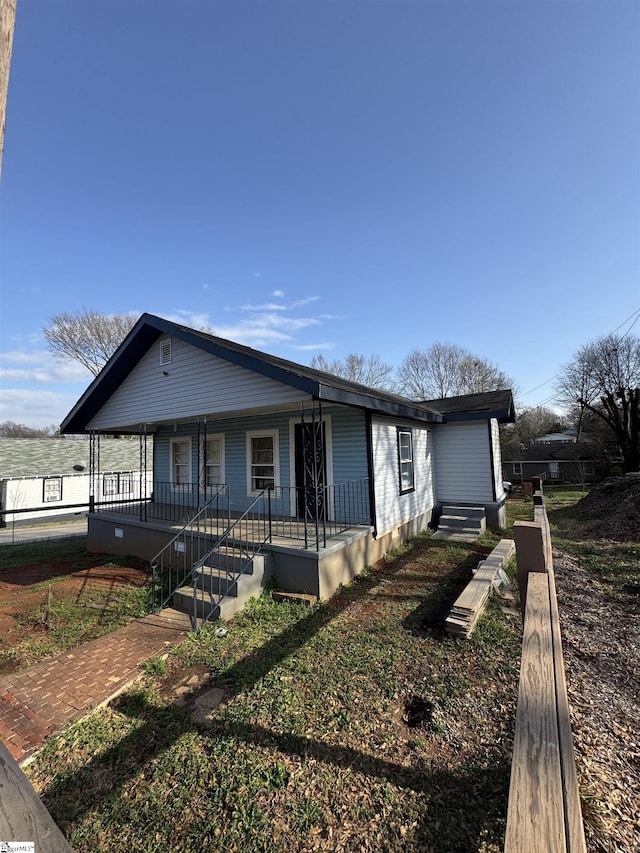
(544, 814)
(23, 816)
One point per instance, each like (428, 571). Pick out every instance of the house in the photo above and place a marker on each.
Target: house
(46, 478)
(561, 462)
(567, 436)
(327, 474)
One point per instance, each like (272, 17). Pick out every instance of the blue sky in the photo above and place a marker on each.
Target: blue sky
(326, 177)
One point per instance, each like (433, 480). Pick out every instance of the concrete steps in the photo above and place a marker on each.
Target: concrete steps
(461, 523)
(220, 592)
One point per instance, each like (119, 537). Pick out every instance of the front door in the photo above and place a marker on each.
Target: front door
(311, 470)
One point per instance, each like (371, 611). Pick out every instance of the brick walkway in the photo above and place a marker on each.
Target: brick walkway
(40, 701)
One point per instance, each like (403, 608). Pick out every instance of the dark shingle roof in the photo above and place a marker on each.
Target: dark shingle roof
(323, 386)
(569, 452)
(494, 404)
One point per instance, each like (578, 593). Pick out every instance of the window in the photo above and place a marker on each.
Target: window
(589, 469)
(262, 461)
(116, 484)
(180, 461)
(52, 489)
(110, 485)
(405, 460)
(211, 461)
(517, 467)
(165, 351)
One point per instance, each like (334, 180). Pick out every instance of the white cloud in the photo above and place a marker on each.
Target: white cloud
(278, 294)
(313, 347)
(21, 357)
(35, 408)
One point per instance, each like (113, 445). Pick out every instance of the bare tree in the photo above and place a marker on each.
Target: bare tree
(366, 370)
(10, 429)
(531, 422)
(604, 379)
(87, 337)
(446, 370)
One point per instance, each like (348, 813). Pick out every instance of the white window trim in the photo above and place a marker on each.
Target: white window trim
(57, 495)
(178, 439)
(517, 467)
(263, 433)
(202, 473)
(402, 490)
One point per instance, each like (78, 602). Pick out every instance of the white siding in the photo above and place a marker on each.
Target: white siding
(197, 383)
(497, 459)
(27, 493)
(392, 508)
(463, 462)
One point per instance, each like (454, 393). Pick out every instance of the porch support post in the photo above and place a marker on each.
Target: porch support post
(92, 471)
(143, 471)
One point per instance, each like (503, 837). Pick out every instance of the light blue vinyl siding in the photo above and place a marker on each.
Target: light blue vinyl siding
(349, 444)
(347, 441)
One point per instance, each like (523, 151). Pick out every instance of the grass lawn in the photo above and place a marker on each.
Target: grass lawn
(54, 595)
(354, 725)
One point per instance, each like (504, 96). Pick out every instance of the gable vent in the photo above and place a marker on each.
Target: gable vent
(165, 351)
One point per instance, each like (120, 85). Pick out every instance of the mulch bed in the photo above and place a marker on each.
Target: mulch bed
(601, 644)
(615, 506)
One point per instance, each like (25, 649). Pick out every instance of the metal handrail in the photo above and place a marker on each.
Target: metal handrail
(192, 534)
(234, 562)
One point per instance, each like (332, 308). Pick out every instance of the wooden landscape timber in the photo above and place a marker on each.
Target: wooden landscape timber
(471, 602)
(22, 814)
(544, 812)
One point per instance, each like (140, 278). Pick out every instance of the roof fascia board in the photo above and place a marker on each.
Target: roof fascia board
(476, 416)
(376, 404)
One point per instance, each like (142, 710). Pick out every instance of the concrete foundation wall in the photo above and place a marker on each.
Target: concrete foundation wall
(322, 573)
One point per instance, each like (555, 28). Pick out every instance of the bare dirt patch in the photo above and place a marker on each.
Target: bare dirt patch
(27, 594)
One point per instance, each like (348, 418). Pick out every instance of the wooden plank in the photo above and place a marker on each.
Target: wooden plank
(535, 817)
(574, 825)
(23, 816)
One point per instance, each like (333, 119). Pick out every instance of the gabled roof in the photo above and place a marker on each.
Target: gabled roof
(43, 457)
(486, 404)
(323, 386)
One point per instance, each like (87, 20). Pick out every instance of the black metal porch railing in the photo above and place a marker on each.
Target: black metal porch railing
(172, 566)
(176, 503)
(314, 515)
(307, 515)
(216, 573)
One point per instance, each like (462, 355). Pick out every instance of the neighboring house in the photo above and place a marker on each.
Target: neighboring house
(344, 472)
(567, 436)
(44, 478)
(562, 462)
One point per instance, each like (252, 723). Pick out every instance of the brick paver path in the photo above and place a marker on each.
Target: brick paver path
(39, 701)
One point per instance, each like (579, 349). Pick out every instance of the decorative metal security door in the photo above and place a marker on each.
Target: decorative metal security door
(311, 470)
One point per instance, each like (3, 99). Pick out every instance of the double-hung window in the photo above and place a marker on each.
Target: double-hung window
(211, 460)
(52, 489)
(405, 460)
(262, 461)
(180, 462)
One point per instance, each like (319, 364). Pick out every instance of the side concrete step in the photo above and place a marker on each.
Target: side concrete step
(214, 582)
(461, 523)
